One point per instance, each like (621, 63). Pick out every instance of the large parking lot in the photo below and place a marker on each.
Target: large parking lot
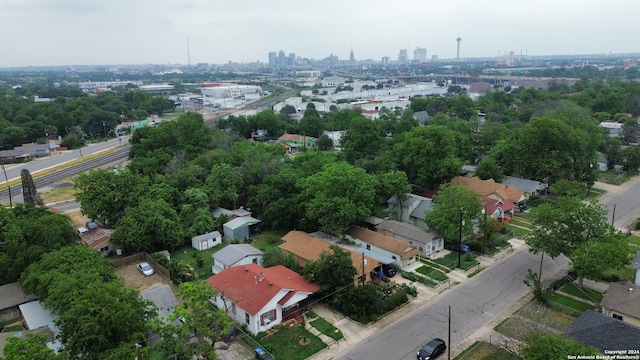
(133, 278)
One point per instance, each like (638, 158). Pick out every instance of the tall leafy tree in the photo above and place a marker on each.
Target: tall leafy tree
(581, 232)
(223, 185)
(334, 270)
(29, 192)
(338, 196)
(552, 346)
(429, 155)
(32, 347)
(453, 203)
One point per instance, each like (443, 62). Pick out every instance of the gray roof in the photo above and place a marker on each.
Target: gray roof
(407, 231)
(618, 298)
(468, 169)
(424, 206)
(233, 253)
(603, 332)
(240, 222)
(421, 116)
(163, 298)
(524, 185)
(35, 316)
(12, 296)
(211, 235)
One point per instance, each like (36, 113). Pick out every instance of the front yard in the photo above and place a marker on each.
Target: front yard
(295, 343)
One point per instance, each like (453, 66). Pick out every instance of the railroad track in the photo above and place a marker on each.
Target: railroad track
(119, 154)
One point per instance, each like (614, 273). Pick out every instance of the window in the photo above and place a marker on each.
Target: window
(247, 318)
(616, 316)
(394, 258)
(268, 317)
(255, 260)
(368, 247)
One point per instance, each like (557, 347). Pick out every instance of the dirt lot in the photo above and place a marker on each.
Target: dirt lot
(134, 279)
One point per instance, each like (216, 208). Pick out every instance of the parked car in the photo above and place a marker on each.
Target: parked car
(145, 268)
(390, 272)
(262, 355)
(91, 225)
(432, 349)
(463, 249)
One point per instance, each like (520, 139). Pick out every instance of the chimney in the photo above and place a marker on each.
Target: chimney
(255, 279)
(384, 232)
(270, 283)
(261, 276)
(246, 270)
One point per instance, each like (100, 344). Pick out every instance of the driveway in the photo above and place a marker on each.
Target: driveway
(133, 278)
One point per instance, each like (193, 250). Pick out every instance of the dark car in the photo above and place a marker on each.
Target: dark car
(463, 249)
(432, 349)
(390, 272)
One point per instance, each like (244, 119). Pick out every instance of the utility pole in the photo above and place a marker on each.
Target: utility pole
(460, 240)
(6, 179)
(540, 272)
(363, 274)
(486, 240)
(449, 339)
(613, 217)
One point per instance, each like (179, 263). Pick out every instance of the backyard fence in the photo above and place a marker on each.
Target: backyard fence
(143, 256)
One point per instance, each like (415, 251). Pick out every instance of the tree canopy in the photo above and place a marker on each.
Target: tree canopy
(452, 202)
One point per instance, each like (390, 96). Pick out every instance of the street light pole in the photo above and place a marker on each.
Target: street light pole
(104, 127)
(460, 240)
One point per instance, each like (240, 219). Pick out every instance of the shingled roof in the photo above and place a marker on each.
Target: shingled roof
(603, 332)
(623, 297)
(388, 243)
(489, 186)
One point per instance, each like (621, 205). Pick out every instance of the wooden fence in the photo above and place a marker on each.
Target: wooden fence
(143, 256)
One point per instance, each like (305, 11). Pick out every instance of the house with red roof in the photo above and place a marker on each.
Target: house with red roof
(499, 209)
(261, 298)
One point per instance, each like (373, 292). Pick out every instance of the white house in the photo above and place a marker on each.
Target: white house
(427, 242)
(399, 251)
(206, 241)
(261, 298)
(235, 255)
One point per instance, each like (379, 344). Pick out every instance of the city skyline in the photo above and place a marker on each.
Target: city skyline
(77, 32)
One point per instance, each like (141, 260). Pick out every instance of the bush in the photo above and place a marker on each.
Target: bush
(394, 300)
(475, 246)
(409, 289)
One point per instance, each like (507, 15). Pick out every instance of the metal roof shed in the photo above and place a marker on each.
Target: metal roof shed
(241, 228)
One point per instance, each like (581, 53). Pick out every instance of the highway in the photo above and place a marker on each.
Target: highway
(474, 303)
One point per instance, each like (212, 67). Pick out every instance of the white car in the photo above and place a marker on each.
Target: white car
(145, 268)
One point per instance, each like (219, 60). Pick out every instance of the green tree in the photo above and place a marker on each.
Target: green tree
(32, 347)
(29, 191)
(428, 155)
(452, 202)
(202, 324)
(553, 346)
(334, 270)
(324, 142)
(540, 293)
(488, 169)
(223, 185)
(581, 232)
(393, 184)
(338, 196)
(363, 139)
(104, 195)
(152, 225)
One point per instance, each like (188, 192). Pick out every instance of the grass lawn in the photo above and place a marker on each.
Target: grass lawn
(584, 293)
(326, 328)
(635, 240)
(434, 265)
(268, 240)
(570, 305)
(451, 261)
(484, 351)
(518, 232)
(521, 222)
(545, 315)
(624, 274)
(285, 343)
(432, 273)
(189, 255)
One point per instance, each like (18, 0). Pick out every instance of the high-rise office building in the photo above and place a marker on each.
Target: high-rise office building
(282, 59)
(420, 55)
(272, 58)
(385, 60)
(402, 56)
(291, 59)
(352, 58)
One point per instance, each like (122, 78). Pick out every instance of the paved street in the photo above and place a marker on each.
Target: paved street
(625, 198)
(474, 303)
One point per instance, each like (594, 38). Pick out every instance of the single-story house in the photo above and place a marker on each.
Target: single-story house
(261, 298)
(241, 228)
(402, 253)
(230, 213)
(298, 142)
(412, 209)
(12, 297)
(621, 301)
(164, 300)
(305, 247)
(235, 255)
(34, 317)
(499, 209)
(486, 188)
(97, 239)
(528, 187)
(614, 127)
(421, 116)
(427, 241)
(206, 241)
(603, 332)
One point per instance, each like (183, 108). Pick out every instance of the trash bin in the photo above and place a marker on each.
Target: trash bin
(118, 252)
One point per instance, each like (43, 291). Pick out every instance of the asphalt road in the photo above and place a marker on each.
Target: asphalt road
(474, 303)
(626, 200)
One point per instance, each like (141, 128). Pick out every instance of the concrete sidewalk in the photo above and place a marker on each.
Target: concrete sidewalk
(355, 332)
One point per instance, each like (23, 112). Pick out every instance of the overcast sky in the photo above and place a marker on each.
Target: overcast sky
(68, 32)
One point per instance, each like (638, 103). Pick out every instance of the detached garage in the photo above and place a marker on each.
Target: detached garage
(241, 228)
(206, 241)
